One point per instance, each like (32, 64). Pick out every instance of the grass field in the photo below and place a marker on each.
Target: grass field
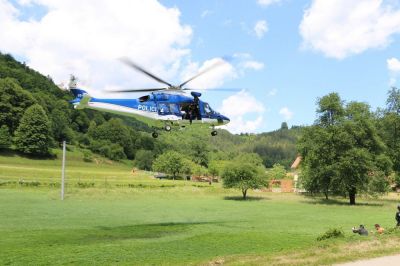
(172, 222)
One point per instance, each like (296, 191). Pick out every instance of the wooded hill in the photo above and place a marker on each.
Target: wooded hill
(115, 137)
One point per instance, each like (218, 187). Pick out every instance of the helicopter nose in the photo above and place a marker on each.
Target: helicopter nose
(226, 120)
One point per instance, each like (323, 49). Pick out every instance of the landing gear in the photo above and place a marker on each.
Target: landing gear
(214, 133)
(154, 135)
(167, 128)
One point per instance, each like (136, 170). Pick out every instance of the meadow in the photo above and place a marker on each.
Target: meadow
(134, 219)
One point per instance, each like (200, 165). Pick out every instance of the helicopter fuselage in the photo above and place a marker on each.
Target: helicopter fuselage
(156, 109)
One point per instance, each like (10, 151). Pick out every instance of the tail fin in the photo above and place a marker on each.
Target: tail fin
(81, 98)
(78, 93)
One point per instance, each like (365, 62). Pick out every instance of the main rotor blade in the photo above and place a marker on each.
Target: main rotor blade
(216, 89)
(217, 64)
(137, 90)
(138, 68)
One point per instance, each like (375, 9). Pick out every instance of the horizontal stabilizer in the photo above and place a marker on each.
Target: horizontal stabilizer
(81, 98)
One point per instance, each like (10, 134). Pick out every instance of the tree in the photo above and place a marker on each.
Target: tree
(5, 137)
(213, 169)
(170, 163)
(13, 102)
(343, 154)
(390, 127)
(144, 159)
(113, 131)
(60, 126)
(284, 126)
(393, 101)
(277, 172)
(330, 109)
(33, 135)
(242, 176)
(199, 152)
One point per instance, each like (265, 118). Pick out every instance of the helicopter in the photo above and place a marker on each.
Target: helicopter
(164, 108)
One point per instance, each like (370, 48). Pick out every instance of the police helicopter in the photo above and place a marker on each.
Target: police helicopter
(164, 108)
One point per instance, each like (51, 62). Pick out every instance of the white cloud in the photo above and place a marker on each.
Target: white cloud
(238, 107)
(340, 28)
(393, 65)
(286, 113)
(225, 71)
(255, 65)
(212, 79)
(85, 39)
(260, 28)
(266, 3)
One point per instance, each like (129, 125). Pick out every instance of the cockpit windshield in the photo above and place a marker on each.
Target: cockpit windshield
(207, 109)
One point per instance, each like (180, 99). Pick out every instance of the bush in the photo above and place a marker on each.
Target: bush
(331, 233)
(29, 183)
(87, 156)
(85, 184)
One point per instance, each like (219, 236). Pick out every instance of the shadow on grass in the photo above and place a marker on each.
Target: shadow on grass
(248, 198)
(338, 202)
(13, 153)
(142, 231)
(101, 234)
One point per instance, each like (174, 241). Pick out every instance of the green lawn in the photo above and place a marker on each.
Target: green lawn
(161, 222)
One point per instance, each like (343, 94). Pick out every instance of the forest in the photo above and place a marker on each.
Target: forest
(36, 117)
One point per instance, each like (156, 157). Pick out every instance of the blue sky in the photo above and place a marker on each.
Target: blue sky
(303, 49)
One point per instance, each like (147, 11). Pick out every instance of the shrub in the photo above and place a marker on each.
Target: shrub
(331, 233)
(29, 183)
(87, 156)
(85, 184)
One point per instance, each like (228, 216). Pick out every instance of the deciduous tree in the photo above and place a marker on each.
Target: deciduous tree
(243, 176)
(33, 135)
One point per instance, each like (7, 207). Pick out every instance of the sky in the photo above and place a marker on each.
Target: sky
(280, 55)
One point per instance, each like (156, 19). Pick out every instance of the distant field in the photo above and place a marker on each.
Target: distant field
(173, 222)
(101, 172)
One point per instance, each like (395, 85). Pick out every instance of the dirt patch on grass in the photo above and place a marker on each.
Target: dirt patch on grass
(326, 253)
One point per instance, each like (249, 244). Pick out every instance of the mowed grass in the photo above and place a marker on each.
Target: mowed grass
(180, 224)
(102, 172)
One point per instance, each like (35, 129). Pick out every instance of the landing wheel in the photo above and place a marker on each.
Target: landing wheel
(154, 135)
(214, 133)
(167, 128)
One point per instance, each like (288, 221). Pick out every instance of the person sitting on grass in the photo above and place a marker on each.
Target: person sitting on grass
(379, 229)
(398, 215)
(361, 230)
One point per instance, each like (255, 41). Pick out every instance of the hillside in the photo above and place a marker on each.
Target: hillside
(119, 138)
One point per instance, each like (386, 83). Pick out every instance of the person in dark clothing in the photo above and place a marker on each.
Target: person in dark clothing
(398, 215)
(361, 230)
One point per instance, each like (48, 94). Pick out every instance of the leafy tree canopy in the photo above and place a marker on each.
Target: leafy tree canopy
(243, 176)
(33, 135)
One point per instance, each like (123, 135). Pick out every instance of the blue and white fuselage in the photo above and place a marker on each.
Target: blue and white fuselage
(156, 108)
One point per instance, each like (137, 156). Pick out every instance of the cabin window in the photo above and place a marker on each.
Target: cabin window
(144, 98)
(163, 108)
(174, 108)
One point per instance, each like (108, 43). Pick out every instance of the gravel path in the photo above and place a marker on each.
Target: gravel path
(385, 261)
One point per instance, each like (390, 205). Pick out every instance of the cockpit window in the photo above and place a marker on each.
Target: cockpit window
(144, 98)
(207, 109)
